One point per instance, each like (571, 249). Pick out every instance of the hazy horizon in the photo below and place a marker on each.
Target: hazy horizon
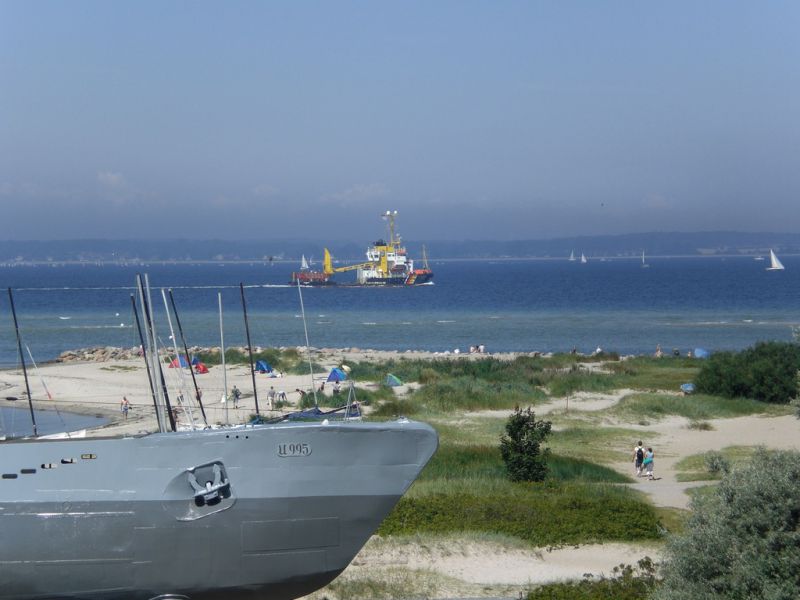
(512, 121)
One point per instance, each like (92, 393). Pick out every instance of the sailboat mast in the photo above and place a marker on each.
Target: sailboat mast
(249, 348)
(22, 360)
(222, 355)
(145, 354)
(186, 350)
(308, 348)
(157, 370)
(187, 406)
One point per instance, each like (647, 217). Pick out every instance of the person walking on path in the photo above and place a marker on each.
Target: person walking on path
(124, 407)
(236, 396)
(649, 456)
(638, 458)
(271, 397)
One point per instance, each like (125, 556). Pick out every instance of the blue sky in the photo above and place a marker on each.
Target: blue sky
(490, 120)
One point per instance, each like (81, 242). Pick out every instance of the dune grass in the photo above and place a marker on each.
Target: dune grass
(545, 514)
(595, 444)
(694, 466)
(463, 393)
(649, 373)
(698, 407)
(484, 462)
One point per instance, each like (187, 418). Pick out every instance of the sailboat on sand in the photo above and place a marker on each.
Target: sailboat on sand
(774, 263)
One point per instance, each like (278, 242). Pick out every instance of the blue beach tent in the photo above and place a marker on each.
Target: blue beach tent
(181, 360)
(337, 374)
(263, 366)
(392, 380)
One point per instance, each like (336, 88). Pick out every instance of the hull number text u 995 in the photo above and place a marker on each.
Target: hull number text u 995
(297, 449)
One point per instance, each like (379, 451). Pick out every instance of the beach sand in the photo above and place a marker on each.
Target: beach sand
(464, 566)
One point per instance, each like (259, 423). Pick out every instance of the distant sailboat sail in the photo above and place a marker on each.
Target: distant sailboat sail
(644, 263)
(572, 256)
(774, 263)
(583, 258)
(303, 263)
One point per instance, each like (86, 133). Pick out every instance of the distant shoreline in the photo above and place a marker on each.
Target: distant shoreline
(253, 261)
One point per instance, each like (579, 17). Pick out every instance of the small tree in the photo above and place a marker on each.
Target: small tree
(743, 541)
(521, 446)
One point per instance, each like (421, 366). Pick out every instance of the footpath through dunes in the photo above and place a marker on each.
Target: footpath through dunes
(674, 438)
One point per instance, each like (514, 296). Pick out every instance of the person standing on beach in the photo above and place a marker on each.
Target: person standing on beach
(124, 406)
(638, 458)
(236, 395)
(271, 397)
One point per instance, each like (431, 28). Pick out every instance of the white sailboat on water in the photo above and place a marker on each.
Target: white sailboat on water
(644, 264)
(583, 258)
(303, 263)
(572, 256)
(774, 263)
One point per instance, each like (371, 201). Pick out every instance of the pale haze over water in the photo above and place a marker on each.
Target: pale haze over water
(484, 120)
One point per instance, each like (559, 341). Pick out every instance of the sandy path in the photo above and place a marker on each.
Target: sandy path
(677, 441)
(456, 567)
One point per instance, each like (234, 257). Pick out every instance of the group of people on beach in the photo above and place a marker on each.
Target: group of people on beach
(643, 459)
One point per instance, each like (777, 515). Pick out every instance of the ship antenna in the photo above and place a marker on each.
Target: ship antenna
(186, 350)
(250, 350)
(22, 360)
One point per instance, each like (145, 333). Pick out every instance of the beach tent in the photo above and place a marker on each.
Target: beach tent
(263, 366)
(392, 380)
(175, 362)
(200, 368)
(700, 353)
(687, 388)
(337, 374)
(196, 361)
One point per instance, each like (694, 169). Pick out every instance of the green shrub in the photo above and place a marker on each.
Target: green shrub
(520, 446)
(626, 583)
(766, 372)
(715, 462)
(743, 539)
(396, 407)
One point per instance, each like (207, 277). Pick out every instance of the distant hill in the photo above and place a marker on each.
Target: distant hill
(654, 244)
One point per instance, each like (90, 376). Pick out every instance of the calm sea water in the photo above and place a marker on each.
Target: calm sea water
(714, 303)
(15, 422)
